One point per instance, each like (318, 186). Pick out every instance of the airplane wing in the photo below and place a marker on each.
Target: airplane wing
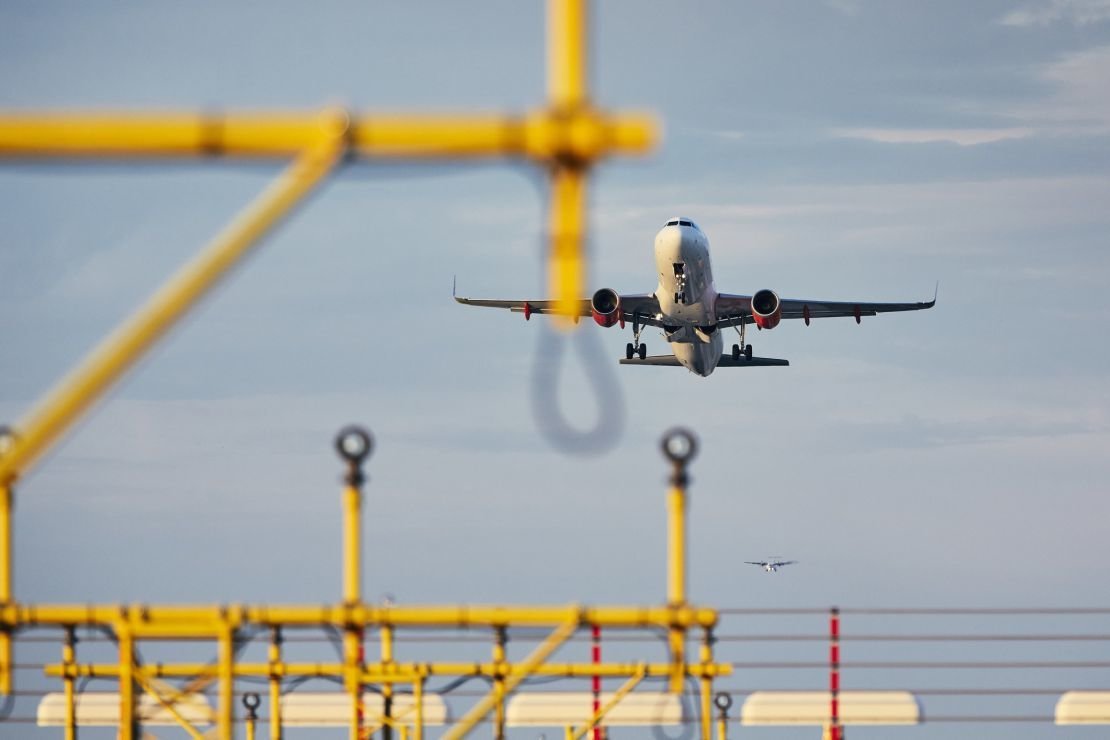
(643, 304)
(732, 310)
(752, 562)
(784, 562)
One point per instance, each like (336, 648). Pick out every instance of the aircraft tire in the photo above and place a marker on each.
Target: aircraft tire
(628, 351)
(643, 351)
(735, 352)
(748, 352)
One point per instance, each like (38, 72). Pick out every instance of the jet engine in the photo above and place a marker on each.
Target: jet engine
(766, 309)
(606, 307)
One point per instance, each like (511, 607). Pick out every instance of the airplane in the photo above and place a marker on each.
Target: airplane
(771, 566)
(690, 311)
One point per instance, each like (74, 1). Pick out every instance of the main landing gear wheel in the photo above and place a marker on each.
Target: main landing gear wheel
(628, 351)
(642, 351)
(735, 352)
(748, 352)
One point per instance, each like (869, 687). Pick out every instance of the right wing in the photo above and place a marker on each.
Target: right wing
(752, 562)
(644, 305)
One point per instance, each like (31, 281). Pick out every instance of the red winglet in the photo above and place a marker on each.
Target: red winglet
(805, 313)
(857, 314)
(527, 311)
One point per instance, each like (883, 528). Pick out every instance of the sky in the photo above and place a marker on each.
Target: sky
(839, 150)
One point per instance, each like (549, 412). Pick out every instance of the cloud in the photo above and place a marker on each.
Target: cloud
(961, 136)
(1076, 12)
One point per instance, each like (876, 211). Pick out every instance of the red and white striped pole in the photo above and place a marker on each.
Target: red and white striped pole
(834, 675)
(597, 679)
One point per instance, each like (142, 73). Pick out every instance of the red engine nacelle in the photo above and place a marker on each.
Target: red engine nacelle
(606, 307)
(766, 309)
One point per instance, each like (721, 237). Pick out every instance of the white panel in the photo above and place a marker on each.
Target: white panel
(558, 708)
(1083, 708)
(99, 708)
(812, 708)
(333, 709)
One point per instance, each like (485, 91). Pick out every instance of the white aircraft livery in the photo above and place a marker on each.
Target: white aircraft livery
(690, 311)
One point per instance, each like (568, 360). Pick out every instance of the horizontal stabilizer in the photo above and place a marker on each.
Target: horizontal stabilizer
(725, 361)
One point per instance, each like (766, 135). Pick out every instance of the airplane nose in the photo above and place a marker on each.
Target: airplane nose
(668, 244)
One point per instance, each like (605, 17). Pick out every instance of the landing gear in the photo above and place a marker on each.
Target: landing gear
(736, 351)
(636, 347)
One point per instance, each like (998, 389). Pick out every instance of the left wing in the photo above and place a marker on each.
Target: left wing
(784, 562)
(752, 562)
(732, 310)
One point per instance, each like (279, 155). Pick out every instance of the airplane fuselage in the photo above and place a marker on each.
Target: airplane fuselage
(687, 297)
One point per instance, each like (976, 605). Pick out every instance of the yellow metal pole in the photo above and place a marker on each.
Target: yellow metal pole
(69, 659)
(275, 683)
(722, 728)
(418, 700)
(706, 687)
(567, 92)
(499, 662)
(128, 720)
(386, 637)
(5, 575)
(534, 659)
(225, 710)
(45, 423)
(566, 53)
(623, 691)
(566, 263)
(676, 580)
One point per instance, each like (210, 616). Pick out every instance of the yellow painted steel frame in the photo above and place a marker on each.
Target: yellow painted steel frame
(566, 137)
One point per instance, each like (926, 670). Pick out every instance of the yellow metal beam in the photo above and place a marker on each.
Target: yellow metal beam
(50, 419)
(584, 134)
(526, 668)
(402, 673)
(623, 691)
(204, 621)
(274, 656)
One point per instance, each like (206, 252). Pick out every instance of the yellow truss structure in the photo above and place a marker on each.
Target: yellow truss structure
(566, 137)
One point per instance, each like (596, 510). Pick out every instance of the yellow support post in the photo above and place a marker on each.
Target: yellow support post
(128, 720)
(274, 656)
(5, 573)
(499, 666)
(353, 444)
(706, 682)
(74, 394)
(418, 701)
(386, 637)
(225, 709)
(534, 659)
(69, 659)
(679, 446)
(568, 96)
(566, 53)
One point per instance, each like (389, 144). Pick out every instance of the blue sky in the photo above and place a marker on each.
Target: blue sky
(837, 150)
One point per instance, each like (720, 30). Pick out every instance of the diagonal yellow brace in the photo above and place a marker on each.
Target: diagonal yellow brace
(169, 705)
(623, 691)
(542, 652)
(61, 408)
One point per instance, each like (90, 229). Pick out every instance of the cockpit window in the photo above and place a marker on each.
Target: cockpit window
(672, 222)
(682, 222)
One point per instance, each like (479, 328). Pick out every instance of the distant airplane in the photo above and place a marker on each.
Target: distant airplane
(690, 311)
(771, 566)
